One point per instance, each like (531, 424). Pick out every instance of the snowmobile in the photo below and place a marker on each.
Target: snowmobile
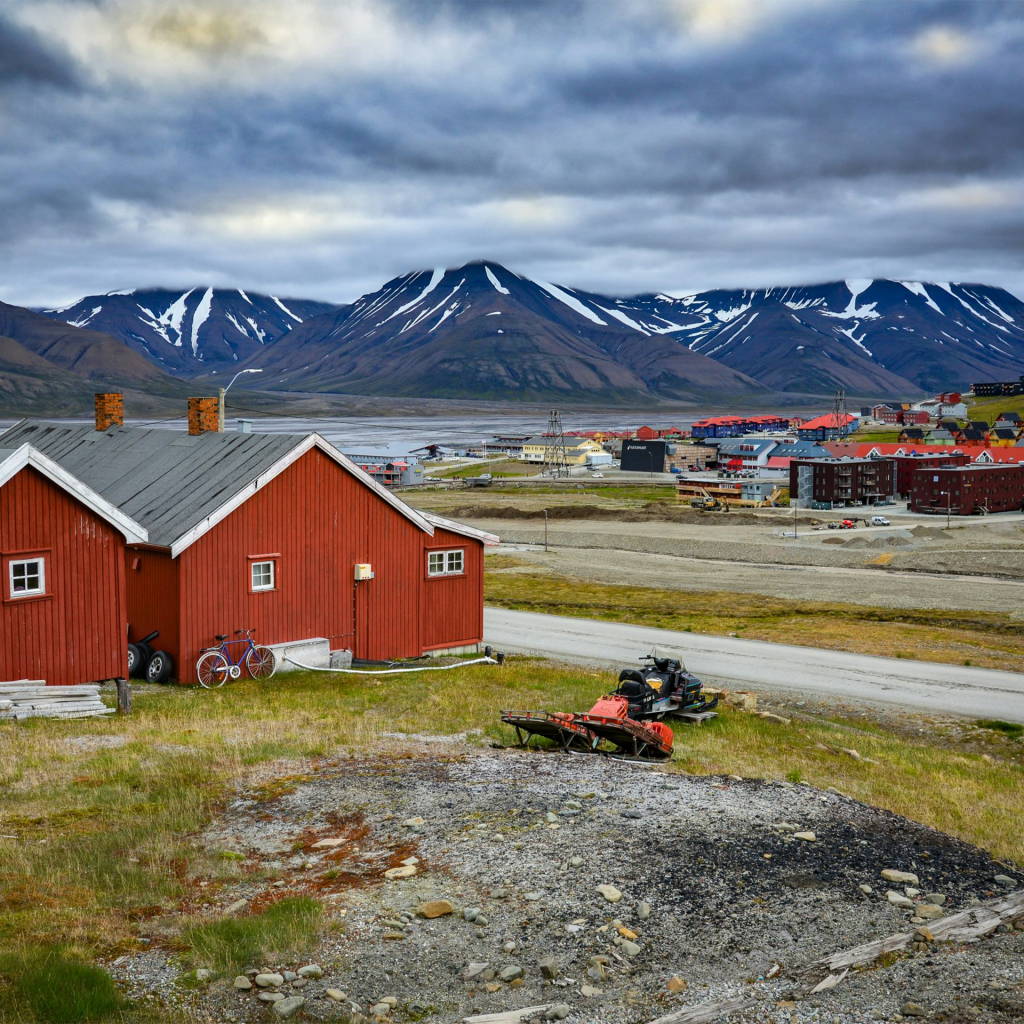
(663, 688)
(630, 717)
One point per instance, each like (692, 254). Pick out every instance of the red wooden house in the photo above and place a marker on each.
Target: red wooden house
(62, 548)
(272, 532)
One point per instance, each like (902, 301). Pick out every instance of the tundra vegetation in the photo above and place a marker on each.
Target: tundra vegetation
(98, 817)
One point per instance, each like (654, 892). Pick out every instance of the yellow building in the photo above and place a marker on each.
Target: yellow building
(576, 449)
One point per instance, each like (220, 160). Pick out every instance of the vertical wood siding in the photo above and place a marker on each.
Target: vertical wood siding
(153, 598)
(76, 633)
(317, 522)
(453, 606)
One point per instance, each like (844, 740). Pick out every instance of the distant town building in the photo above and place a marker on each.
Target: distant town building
(840, 481)
(576, 449)
(734, 426)
(967, 490)
(826, 428)
(1000, 387)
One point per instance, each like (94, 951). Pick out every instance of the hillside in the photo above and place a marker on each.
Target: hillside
(849, 333)
(481, 331)
(192, 332)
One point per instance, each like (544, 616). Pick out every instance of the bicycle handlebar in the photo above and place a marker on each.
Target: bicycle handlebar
(244, 632)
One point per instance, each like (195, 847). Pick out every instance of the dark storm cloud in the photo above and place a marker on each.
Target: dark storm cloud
(320, 148)
(25, 57)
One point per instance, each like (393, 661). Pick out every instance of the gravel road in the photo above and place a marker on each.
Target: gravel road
(756, 665)
(720, 886)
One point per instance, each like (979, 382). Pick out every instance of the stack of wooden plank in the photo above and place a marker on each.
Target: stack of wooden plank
(32, 698)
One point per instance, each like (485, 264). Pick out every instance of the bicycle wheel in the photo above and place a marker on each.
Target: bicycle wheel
(212, 669)
(260, 662)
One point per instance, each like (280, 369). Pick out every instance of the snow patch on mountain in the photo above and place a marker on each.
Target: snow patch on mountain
(919, 289)
(199, 318)
(84, 320)
(494, 280)
(573, 303)
(285, 309)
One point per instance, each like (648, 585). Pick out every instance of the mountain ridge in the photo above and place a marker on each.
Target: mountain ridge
(189, 332)
(482, 331)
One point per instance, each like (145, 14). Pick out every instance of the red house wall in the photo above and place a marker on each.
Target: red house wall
(317, 521)
(152, 585)
(453, 606)
(75, 632)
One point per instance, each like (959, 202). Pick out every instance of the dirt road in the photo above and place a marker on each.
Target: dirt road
(753, 664)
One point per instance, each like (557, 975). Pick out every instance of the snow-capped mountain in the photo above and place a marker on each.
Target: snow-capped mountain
(482, 331)
(194, 331)
(869, 336)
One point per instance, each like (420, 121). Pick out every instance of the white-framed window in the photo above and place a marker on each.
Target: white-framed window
(28, 577)
(446, 563)
(263, 575)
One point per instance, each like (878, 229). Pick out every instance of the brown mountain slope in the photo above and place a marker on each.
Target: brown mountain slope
(90, 354)
(481, 331)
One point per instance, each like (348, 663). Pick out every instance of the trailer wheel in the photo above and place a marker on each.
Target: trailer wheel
(134, 661)
(145, 653)
(159, 667)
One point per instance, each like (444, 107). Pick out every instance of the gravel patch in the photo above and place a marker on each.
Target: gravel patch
(613, 889)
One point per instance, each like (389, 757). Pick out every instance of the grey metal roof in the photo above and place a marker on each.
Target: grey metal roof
(166, 480)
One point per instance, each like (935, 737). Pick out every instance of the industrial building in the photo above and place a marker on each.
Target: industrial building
(968, 490)
(840, 482)
(63, 608)
(999, 387)
(278, 532)
(536, 449)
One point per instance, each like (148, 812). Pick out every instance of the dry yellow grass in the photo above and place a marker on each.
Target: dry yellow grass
(985, 639)
(94, 838)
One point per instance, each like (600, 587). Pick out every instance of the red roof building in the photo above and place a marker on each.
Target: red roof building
(63, 602)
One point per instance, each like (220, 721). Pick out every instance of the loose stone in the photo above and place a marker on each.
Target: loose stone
(610, 893)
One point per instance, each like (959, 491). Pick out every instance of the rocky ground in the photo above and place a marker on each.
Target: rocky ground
(465, 881)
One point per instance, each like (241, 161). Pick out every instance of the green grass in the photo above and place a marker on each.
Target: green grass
(1012, 729)
(986, 639)
(44, 985)
(106, 845)
(231, 944)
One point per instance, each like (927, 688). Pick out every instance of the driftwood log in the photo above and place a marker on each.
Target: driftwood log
(965, 926)
(508, 1016)
(705, 1013)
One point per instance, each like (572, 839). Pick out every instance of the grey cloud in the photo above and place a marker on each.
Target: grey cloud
(26, 58)
(596, 144)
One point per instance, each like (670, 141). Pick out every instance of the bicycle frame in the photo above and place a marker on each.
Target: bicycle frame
(234, 666)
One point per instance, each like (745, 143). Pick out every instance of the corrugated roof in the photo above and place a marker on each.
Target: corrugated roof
(169, 481)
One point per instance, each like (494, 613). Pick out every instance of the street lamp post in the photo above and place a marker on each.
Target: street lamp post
(223, 392)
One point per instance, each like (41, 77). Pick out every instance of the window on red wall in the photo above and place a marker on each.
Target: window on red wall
(26, 577)
(446, 563)
(262, 573)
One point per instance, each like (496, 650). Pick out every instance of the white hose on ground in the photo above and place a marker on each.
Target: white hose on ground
(391, 671)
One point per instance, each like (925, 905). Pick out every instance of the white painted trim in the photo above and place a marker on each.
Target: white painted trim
(304, 445)
(490, 539)
(26, 455)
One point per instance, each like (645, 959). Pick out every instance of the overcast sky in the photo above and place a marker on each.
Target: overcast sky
(319, 149)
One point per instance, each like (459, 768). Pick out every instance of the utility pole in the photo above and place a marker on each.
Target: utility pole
(555, 457)
(839, 414)
(223, 392)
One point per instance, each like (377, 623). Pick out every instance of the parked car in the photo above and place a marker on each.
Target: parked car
(880, 521)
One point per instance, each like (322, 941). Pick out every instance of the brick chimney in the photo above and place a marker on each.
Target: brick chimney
(202, 415)
(109, 410)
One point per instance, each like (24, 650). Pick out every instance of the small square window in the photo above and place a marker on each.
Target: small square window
(262, 575)
(28, 577)
(446, 563)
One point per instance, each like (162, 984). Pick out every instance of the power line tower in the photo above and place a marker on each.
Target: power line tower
(556, 461)
(838, 420)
